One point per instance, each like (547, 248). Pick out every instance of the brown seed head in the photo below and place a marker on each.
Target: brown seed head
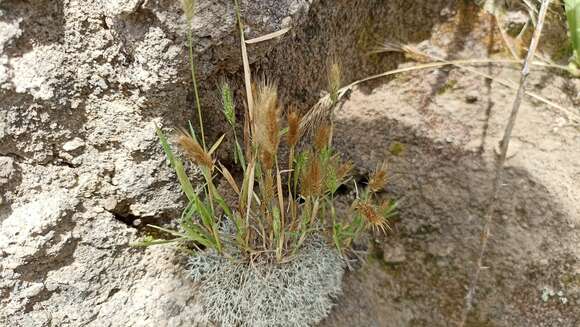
(379, 178)
(193, 150)
(369, 213)
(269, 191)
(343, 170)
(266, 116)
(267, 159)
(312, 178)
(293, 127)
(322, 138)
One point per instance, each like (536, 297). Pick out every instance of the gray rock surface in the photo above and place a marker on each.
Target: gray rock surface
(82, 86)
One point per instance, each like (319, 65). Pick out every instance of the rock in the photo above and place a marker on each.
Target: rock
(7, 169)
(73, 144)
(394, 254)
(440, 250)
(472, 97)
(110, 204)
(82, 87)
(103, 74)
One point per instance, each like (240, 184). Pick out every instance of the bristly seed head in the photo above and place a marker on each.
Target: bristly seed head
(293, 127)
(194, 150)
(322, 138)
(188, 9)
(343, 170)
(379, 178)
(228, 103)
(266, 116)
(373, 219)
(312, 177)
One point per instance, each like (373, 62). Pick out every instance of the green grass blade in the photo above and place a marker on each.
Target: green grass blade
(216, 145)
(177, 165)
(150, 242)
(573, 17)
(240, 156)
(169, 231)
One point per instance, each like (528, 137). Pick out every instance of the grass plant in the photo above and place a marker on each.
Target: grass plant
(277, 209)
(273, 254)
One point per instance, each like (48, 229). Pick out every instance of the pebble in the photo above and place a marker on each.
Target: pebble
(110, 204)
(471, 98)
(394, 254)
(73, 144)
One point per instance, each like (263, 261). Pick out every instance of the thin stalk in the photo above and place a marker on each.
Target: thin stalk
(246, 65)
(195, 88)
(282, 228)
(291, 201)
(501, 162)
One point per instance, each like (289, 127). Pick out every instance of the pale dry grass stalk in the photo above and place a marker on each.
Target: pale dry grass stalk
(323, 110)
(334, 80)
(246, 65)
(420, 56)
(268, 36)
(318, 114)
(488, 219)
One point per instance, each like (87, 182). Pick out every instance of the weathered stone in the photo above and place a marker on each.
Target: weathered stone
(107, 73)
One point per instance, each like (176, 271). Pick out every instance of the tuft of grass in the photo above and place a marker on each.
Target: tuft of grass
(276, 211)
(275, 236)
(269, 222)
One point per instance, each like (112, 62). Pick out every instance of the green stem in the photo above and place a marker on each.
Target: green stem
(195, 89)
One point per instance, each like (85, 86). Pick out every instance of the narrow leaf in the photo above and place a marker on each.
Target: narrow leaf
(216, 144)
(268, 36)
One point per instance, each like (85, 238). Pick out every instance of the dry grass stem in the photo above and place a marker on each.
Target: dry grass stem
(246, 65)
(334, 80)
(268, 36)
(421, 56)
(229, 178)
(488, 218)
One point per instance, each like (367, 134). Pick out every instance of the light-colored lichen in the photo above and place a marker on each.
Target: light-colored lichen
(298, 293)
